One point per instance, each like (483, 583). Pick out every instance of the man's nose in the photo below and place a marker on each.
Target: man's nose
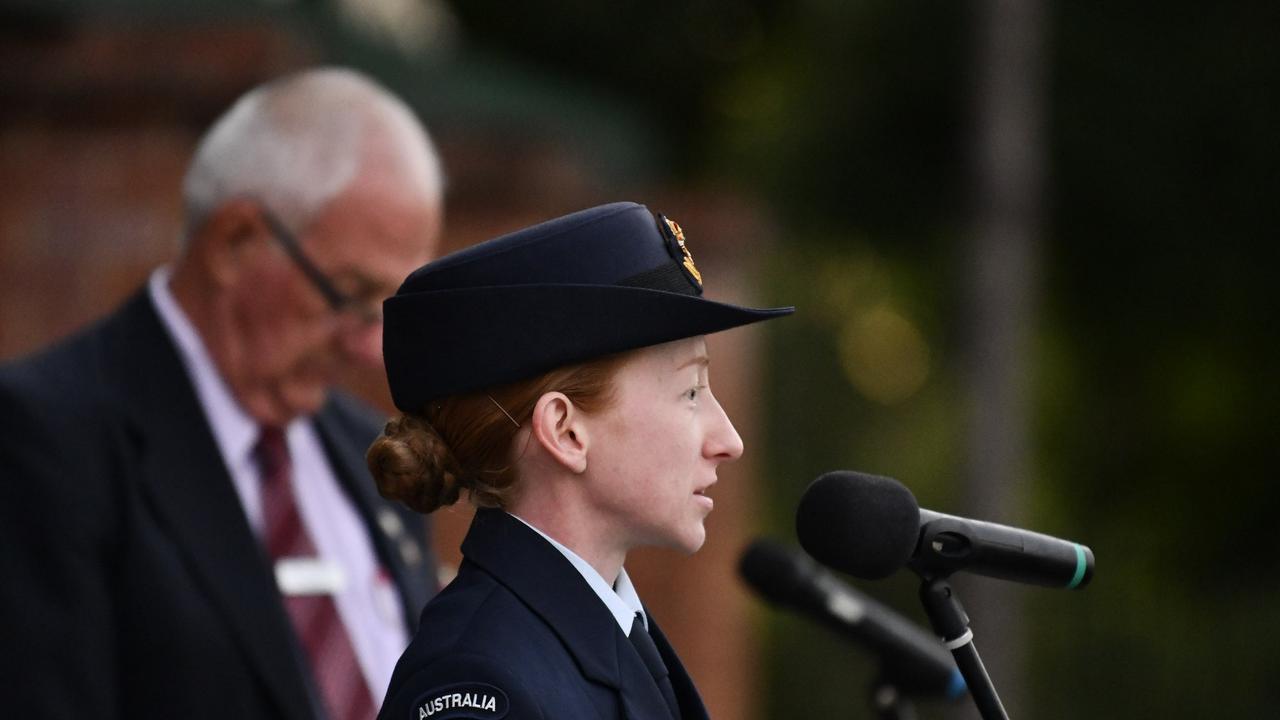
(361, 341)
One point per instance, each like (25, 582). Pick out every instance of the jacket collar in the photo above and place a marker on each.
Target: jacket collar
(533, 570)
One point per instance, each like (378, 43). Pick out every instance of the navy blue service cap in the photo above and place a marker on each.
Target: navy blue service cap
(593, 283)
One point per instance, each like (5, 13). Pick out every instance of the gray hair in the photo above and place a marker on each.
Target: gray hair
(297, 142)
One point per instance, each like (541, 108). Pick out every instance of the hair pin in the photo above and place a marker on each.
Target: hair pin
(504, 410)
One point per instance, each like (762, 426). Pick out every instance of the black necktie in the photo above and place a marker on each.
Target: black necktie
(643, 644)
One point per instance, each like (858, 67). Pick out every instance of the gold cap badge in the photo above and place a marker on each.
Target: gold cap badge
(688, 257)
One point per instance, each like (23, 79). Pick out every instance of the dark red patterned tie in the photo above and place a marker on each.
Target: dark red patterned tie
(315, 617)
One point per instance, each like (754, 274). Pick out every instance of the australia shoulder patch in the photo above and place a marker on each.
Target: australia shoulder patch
(480, 701)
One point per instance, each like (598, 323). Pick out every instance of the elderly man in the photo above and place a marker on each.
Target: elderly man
(187, 527)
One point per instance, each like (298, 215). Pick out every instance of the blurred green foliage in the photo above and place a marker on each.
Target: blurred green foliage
(1155, 400)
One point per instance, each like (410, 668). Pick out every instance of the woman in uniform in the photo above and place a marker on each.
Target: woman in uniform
(559, 378)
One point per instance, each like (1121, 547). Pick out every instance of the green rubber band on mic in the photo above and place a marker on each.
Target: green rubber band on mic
(1080, 568)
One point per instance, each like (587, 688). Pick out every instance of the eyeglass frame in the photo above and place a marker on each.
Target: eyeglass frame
(339, 302)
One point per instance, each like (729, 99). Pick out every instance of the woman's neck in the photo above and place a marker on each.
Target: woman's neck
(577, 530)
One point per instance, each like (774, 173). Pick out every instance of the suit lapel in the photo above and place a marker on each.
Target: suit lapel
(401, 551)
(186, 484)
(545, 581)
(691, 707)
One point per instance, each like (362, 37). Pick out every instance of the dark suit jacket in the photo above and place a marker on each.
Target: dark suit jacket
(520, 626)
(131, 585)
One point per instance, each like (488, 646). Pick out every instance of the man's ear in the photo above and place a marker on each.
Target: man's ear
(557, 426)
(224, 239)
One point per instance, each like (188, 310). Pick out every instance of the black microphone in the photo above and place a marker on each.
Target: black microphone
(869, 526)
(912, 660)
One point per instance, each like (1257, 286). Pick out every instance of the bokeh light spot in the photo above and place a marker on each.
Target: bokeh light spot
(883, 354)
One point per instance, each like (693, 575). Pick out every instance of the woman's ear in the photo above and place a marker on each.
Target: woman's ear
(557, 426)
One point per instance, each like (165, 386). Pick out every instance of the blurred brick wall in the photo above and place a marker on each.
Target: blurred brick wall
(97, 123)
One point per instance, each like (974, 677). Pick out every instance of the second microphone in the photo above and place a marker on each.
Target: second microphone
(911, 659)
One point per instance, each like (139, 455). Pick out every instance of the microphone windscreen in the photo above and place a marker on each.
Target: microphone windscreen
(772, 570)
(864, 525)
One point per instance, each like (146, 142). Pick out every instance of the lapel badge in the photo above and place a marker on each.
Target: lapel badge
(391, 526)
(680, 250)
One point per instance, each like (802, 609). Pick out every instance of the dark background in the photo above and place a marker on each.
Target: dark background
(1111, 381)
(1151, 396)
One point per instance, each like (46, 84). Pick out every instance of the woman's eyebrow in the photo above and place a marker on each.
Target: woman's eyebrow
(699, 359)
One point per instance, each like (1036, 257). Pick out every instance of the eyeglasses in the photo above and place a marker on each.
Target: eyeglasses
(366, 310)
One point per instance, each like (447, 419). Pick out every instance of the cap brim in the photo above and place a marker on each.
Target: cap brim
(521, 331)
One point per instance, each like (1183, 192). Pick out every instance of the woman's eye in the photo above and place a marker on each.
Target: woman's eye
(693, 392)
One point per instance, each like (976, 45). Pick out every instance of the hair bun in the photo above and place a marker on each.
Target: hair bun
(411, 463)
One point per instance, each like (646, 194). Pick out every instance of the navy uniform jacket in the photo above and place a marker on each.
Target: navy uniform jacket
(520, 634)
(131, 584)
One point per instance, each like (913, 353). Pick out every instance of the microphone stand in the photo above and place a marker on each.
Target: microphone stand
(952, 624)
(889, 704)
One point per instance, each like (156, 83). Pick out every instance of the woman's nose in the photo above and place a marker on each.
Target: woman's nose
(723, 442)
